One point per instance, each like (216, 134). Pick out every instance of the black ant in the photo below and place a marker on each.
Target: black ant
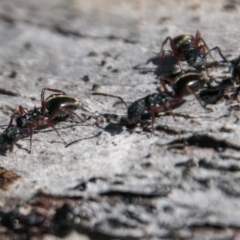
(59, 105)
(152, 103)
(192, 49)
(186, 83)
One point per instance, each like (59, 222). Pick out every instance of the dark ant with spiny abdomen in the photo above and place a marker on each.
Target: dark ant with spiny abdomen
(192, 49)
(58, 105)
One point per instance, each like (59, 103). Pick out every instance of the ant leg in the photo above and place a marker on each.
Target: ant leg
(204, 43)
(68, 112)
(165, 41)
(219, 52)
(198, 39)
(169, 109)
(110, 95)
(172, 44)
(22, 110)
(11, 120)
(43, 98)
(198, 98)
(162, 80)
(166, 107)
(54, 114)
(203, 49)
(52, 126)
(155, 109)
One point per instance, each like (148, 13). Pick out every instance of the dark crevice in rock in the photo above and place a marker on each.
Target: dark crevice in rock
(211, 165)
(162, 192)
(204, 141)
(8, 93)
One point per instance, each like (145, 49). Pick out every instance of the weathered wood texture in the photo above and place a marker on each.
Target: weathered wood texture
(118, 184)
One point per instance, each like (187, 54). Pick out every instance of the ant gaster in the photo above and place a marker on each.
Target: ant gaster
(186, 83)
(55, 106)
(192, 49)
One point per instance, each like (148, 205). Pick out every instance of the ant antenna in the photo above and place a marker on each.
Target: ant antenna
(110, 95)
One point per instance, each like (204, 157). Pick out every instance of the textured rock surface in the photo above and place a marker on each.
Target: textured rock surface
(116, 183)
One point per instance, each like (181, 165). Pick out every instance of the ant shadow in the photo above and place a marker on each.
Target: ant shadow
(82, 139)
(213, 94)
(114, 128)
(166, 67)
(24, 133)
(68, 127)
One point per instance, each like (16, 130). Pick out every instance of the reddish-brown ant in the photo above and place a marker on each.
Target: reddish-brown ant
(56, 105)
(192, 49)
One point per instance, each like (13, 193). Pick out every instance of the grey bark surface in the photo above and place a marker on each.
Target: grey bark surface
(180, 182)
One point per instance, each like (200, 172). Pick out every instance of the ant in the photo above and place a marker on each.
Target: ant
(192, 49)
(59, 105)
(186, 83)
(152, 103)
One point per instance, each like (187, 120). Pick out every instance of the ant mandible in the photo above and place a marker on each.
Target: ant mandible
(192, 49)
(56, 105)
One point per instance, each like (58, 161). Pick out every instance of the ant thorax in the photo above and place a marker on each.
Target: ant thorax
(24, 120)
